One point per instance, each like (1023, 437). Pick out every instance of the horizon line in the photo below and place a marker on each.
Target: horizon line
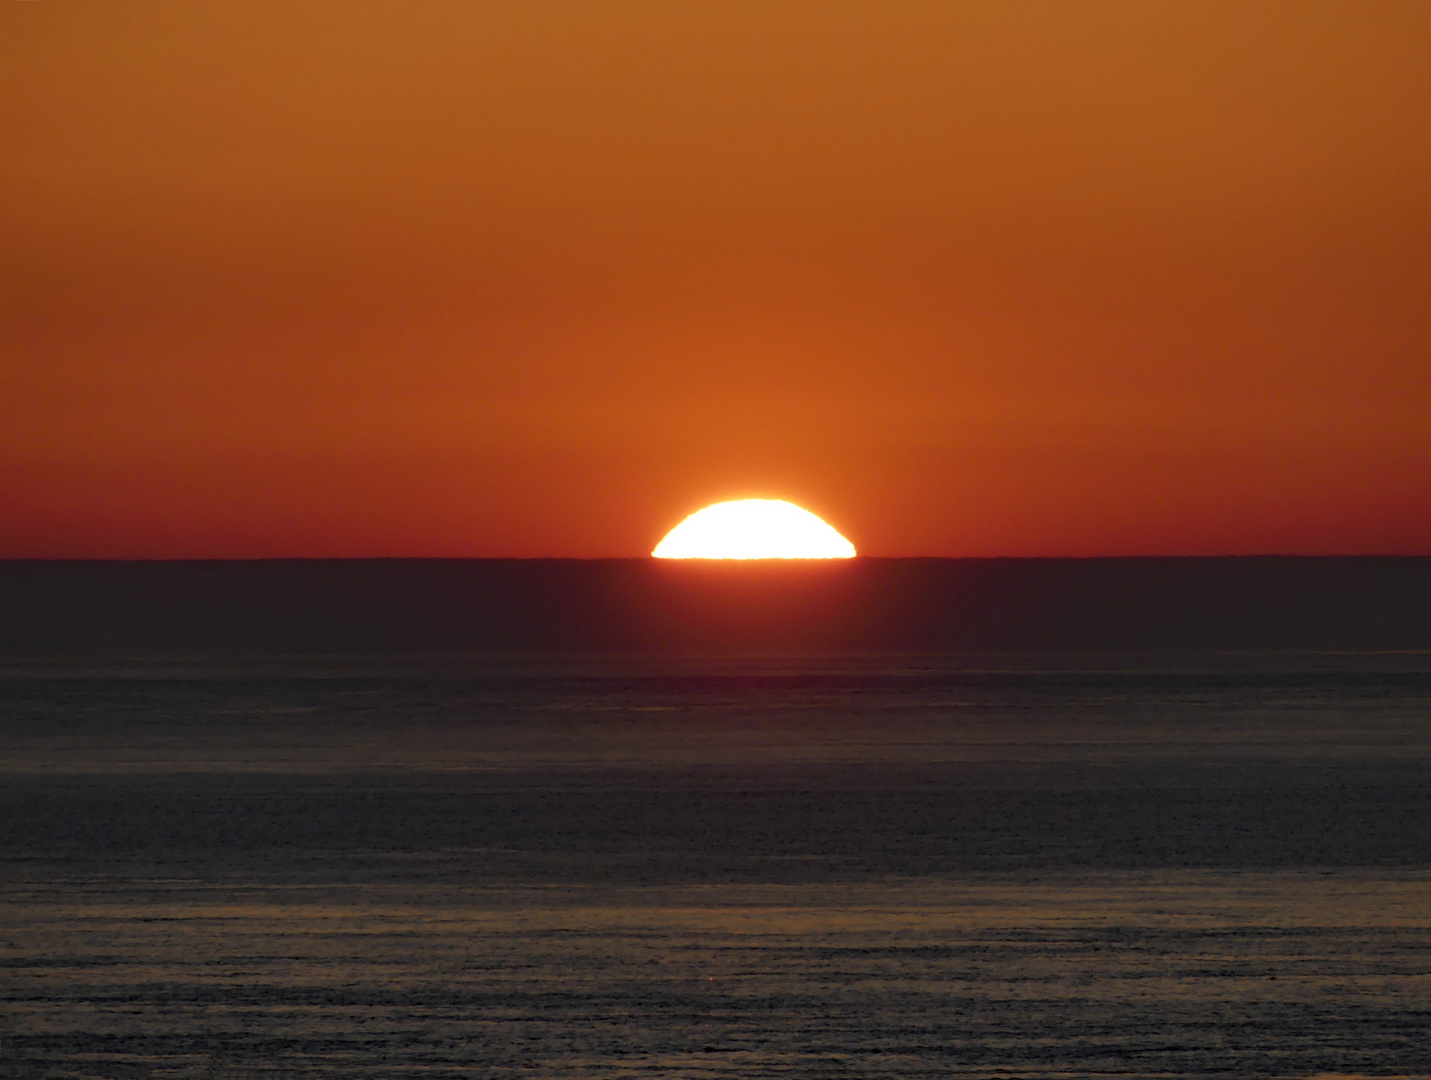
(697, 561)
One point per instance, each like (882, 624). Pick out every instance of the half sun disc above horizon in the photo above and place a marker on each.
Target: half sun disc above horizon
(753, 529)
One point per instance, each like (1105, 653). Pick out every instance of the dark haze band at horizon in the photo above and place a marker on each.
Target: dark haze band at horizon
(776, 607)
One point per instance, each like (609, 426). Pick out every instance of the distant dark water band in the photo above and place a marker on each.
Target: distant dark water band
(653, 605)
(734, 687)
(754, 825)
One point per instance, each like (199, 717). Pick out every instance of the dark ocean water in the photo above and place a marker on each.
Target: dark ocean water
(1035, 865)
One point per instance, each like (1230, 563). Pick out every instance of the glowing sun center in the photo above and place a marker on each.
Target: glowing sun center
(753, 529)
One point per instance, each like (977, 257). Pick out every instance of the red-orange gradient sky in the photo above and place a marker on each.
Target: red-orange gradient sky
(529, 278)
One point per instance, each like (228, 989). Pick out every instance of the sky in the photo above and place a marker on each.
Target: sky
(446, 278)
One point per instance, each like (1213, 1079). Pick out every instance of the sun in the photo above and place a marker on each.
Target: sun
(753, 529)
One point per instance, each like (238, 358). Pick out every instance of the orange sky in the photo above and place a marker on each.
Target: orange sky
(529, 278)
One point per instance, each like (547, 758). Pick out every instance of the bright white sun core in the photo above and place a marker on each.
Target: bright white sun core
(753, 529)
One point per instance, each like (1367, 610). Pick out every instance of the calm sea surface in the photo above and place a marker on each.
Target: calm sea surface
(987, 866)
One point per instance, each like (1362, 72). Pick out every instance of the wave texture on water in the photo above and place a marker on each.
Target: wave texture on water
(1042, 866)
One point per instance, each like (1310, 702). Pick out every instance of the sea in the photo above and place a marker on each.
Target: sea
(1041, 865)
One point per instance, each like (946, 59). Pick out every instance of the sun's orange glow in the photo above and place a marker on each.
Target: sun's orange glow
(488, 281)
(754, 529)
